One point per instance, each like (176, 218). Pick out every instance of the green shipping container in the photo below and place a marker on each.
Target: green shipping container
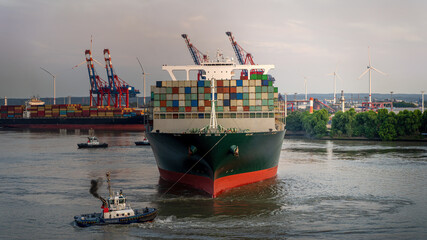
(207, 96)
(193, 96)
(270, 102)
(201, 90)
(271, 108)
(270, 89)
(162, 109)
(163, 97)
(254, 76)
(245, 96)
(270, 96)
(188, 103)
(156, 97)
(265, 102)
(270, 83)
(219, 108)
(207, 83)
(182, 109)
(187, 97)
(169, 103)
(258, 89)
(252, 108)
(258, 95)
(264, 89)
(276, 89)
(245, 102)
(258, 108)
(156, 103)
(264, 77)
(169, 90)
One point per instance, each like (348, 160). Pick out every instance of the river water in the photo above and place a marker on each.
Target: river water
(323, 190)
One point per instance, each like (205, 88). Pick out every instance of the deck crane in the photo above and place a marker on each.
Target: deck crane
(198, 57)
(98, 86)
(243, 56)
(120, 90)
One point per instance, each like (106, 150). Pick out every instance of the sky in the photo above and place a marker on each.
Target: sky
(303, 39)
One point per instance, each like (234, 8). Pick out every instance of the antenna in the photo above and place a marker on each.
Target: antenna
(370, 67)
(109, 184)
(54, 87)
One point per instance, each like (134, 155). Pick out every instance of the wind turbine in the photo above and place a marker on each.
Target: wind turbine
(370, 67)
(143, 75)
(335, 74)
(54, 87)
(305, 84)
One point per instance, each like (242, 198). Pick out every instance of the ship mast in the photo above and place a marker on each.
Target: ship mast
(213, 123)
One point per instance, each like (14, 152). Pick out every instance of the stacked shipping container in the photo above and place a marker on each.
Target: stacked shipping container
(256, 94)
(67, 111)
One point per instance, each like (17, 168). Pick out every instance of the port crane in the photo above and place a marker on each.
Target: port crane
(98, 86)
(198, 57)
(120, 90)
(243, 57)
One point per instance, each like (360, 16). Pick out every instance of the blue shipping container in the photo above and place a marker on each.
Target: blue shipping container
(200, 83)
(187, 90)
(158, 83)
(239, 96)
(233, 96)
(226, 102)
(175, 103)
(265, 82)
(194, 103)
(239, 83)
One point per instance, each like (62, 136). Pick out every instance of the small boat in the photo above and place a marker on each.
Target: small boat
(115, 211)
(92, 142)
(143, 142)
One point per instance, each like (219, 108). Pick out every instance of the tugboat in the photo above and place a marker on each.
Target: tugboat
(92, 142)
(143, 142)
(115, 210)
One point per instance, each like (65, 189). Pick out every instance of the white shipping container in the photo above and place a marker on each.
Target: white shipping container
(257, 83)
(175, 96)
(264, 96)
(193, 83)
(220, 96)
(193, 90)
(245, 83)
(233, 102)
(245, 89)
(181, 83)
(168, 83)
(240, 109)
(163, 90)
(252, 89)
(252, 102)
(258, 102)
(239, 103)
(252, 96)
(187, 84)
(175, 83)
(169, 97)
(181, 90)
(219, 103)
(239, 89)
(226, 83)
(264, 108)
(226, 96)
(182, 103)
(251, 83)
(276, 95)
(232, 83)
(201, 103)
(181, 97)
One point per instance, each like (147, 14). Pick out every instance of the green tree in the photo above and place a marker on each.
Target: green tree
(294, 122)
(315, 124)
(343, 124)
(408, 123)
(366, 124)
(423, 126)
(387, 125)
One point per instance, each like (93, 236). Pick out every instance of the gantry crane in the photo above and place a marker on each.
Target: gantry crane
(98, 86)
(243, 57)
(120, 90)
(198, 57)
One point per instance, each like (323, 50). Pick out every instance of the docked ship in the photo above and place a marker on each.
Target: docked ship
(219, 133)
(35, 114)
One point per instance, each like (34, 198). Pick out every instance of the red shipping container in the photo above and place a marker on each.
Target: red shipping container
(169, 109)
(245, 108)
(175, 90)
(176, 109)
(163, 103)
(207, 90)
(201, 109)
(77, 114)
(233, 89)
(4, 115)
(244, 78)
(219, 89)
(233, 108)
(207, 103)
(219, 83)
(40, 114)
(188, 109)
(225, 90)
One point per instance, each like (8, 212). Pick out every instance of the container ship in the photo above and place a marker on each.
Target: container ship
(219, 133)
(36, 115)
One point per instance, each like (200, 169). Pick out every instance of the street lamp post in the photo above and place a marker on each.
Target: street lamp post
(54, 82)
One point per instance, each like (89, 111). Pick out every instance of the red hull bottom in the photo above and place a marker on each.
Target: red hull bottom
(218, 186)
(124, 127)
